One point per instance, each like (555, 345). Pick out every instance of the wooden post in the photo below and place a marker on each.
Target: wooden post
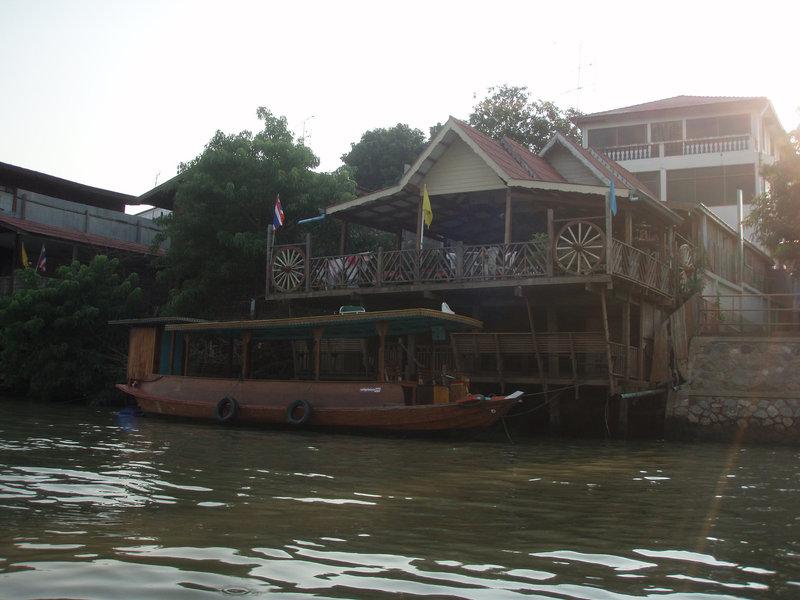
(552, 327)
(171, 370)
(609, 234)
(318, 331)
(626, 335)
(551, 242)
(186, 339)
(246, 337)
(609, 360)
(382, 327)
(307, 265)
(507, 237)
(343, 238)
(539, 362)
(418, 242)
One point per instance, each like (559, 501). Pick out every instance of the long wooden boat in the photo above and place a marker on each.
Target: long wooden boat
(161, 380)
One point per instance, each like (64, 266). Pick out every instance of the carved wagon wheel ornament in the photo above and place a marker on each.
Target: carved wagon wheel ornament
(580, 247)
(686, 267)
(288, 268)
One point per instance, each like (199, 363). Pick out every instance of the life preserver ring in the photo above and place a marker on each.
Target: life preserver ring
(227, 409)
(303, 418)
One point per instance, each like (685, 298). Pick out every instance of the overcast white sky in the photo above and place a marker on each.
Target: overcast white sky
(115, 94)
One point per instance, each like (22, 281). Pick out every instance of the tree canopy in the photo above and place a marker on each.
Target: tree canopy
(224, 205)
(55, 341)
(775, 215)
(378, 158)
(510, 111)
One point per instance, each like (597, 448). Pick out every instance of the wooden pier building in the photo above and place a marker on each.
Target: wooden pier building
(566, 257)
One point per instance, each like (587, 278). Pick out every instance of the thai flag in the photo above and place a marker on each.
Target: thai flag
(278, 219)
(42, 262)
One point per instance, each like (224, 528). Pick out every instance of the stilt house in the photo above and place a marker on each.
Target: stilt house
(565, 257)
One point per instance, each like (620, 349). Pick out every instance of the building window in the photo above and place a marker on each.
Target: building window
(608, 137)
(667, 131)
(713, 186)
(709, 127)
(652, 179)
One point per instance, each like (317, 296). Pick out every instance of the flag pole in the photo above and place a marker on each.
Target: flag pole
(270, 242)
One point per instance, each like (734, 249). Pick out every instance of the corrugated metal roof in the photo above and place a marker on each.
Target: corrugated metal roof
(60, 233)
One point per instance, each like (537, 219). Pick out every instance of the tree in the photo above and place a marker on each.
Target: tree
(378, 159)
(224, 205)
(55, 340)
(775, 215)
(509, 111)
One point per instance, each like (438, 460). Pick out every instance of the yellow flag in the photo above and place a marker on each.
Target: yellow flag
(24, 256)
(427, 213)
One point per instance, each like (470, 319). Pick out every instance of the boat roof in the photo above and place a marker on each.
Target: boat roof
(348, 325)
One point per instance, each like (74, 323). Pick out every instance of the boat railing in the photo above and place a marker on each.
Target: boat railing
(291, 272)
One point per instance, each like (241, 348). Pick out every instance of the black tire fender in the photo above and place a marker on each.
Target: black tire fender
(227, 409)
(303, 418)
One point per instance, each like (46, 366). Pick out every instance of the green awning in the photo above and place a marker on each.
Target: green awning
(354, 325)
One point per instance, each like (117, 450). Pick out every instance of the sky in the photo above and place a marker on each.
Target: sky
(116, 94)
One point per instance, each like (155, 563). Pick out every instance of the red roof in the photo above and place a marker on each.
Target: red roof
(673, 103)
(543, 170)
(495, 151)
(59, 233)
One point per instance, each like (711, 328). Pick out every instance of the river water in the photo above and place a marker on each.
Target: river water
(96, 506)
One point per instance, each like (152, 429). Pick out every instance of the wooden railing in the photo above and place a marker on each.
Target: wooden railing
(478, 263)
(572, 356)
(639, 266)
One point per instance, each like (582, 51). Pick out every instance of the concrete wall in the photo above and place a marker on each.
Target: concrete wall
(739, 389)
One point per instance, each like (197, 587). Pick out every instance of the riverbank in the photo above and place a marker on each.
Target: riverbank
(742, 388)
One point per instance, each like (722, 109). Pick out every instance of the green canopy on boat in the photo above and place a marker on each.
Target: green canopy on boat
(348, 325)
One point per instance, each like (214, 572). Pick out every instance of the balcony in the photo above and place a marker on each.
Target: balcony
(578, 255)
(715, 145)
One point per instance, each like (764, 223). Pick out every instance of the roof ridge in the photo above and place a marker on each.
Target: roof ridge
(506, 143)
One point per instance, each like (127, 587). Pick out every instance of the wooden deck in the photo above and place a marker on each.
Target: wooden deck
(463, 266)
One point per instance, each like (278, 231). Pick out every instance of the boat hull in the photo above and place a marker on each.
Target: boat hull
(335, 405)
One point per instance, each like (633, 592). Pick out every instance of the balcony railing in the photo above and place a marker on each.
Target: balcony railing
(291, 272)
(715, 145)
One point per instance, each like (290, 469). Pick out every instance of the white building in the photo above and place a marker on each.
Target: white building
(692, 149)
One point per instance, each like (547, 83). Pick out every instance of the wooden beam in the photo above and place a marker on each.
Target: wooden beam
(507, 237)
(246, 337)
(318, 331)
(609, 359)
(382, 328)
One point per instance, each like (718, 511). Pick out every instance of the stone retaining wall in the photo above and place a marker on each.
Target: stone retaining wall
(739, 388)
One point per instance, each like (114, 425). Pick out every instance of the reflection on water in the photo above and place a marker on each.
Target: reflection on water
(96, 506)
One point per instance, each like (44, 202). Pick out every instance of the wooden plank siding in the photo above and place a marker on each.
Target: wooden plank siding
(460, 169)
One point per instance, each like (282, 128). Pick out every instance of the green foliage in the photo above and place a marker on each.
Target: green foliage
(379, 157)
(509, 111)
(775, 216)
(55, 341)
(224, 205)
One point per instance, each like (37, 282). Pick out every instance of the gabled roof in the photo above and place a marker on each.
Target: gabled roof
(683, 104)
(515, 167)
(604, 168)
